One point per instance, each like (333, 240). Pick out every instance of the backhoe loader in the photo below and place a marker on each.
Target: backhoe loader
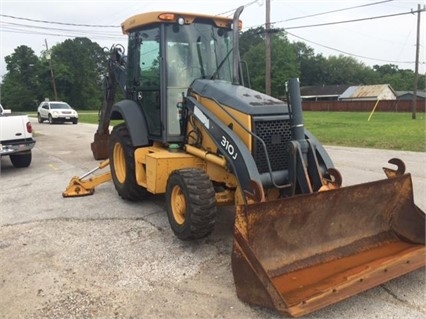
(191, 128)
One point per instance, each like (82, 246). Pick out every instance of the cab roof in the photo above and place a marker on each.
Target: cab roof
(148, 18)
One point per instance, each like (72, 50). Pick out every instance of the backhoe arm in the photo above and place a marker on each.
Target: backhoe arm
(116, 77)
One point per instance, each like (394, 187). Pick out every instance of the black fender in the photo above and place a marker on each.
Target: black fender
(135, 120)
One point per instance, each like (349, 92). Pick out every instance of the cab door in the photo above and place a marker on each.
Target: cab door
(44, 110)
(145, 77)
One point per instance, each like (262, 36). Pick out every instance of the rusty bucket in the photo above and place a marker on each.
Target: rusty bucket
(300, 254)
(99, 146)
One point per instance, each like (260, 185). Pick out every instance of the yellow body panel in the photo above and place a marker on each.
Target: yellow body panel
(154, 166)
(243, 118)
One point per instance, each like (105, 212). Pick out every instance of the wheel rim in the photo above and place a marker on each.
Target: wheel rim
(178, 204)
(119, 163)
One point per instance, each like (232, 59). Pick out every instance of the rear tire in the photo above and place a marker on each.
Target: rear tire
(20, 160)
(39, 118)
(191, 204)
(122, 163)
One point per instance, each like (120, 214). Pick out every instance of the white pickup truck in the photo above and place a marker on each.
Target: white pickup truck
(16, 138)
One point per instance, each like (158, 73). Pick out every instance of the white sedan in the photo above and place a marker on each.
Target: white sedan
(55, 111)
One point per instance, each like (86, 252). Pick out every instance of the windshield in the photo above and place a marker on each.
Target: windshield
(198, 50)
(188, 52)
(59, 106)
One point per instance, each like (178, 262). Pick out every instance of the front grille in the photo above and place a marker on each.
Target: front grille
(276, 134)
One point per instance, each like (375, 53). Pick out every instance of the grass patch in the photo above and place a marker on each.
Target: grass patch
(88, 117)
(91, 117)
(385, 130)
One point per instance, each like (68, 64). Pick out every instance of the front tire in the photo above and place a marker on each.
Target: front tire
(191, 204)
(20, 160)
(122, 163)
(50, 119)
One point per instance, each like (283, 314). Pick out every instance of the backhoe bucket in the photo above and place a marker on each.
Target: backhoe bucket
(300, 254)
(99, 146)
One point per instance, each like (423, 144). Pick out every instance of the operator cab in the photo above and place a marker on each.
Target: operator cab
(167, 52)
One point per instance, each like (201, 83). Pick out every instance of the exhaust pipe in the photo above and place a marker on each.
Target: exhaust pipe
(236, 46)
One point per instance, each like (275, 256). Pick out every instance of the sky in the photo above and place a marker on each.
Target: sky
(371, 40)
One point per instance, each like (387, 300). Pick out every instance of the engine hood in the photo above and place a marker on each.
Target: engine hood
(239, 97)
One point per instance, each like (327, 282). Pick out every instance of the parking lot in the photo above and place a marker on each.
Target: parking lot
(102, 257)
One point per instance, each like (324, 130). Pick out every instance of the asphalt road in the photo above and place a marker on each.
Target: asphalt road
(101, 257)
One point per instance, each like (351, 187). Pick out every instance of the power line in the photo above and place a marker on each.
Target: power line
(48, 31)
(62, 35)
(334, 11)
(61, 23)
(246, 5)
(223, 13)
(53, 29)
(66, 35)
(230, 12)
(354, 20)
(347, 53)
(346, 21)
(94, 34)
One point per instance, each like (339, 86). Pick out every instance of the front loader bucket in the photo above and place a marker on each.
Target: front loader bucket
(300, 254)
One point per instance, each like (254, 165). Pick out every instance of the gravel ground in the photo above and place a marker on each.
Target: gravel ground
(101, 257)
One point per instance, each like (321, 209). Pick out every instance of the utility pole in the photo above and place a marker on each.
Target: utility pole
(268, 48)
(416, 67)
(49, 57)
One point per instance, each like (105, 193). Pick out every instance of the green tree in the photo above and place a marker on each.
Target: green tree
(21, 82)
(283, 61)
(312, 67)
(399, 79)
(346, 70)
(79, 66)
(251, 38)
(284, 64)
